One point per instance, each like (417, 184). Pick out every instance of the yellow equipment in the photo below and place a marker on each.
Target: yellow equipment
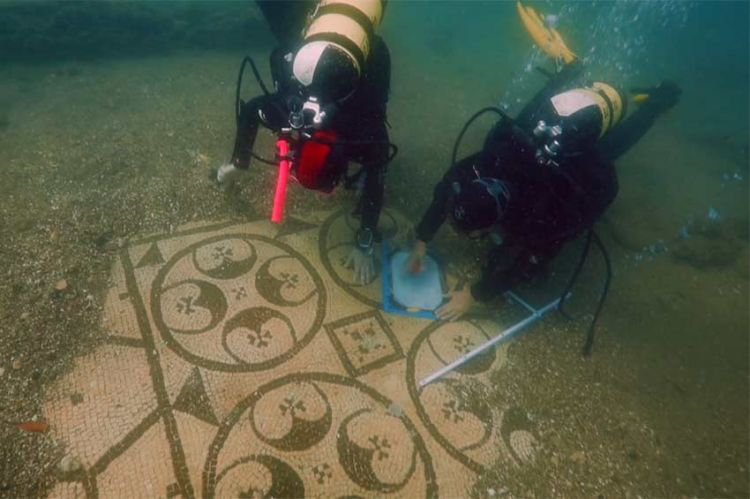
(546, 37)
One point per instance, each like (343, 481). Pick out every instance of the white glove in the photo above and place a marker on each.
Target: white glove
(363, 265)
(227, 175)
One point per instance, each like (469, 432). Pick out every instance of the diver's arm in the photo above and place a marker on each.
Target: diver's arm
(436, 214)
(372, 196)
(625, 135)
(375, 163)
(247, 130)
(377, 81)
(267, 110)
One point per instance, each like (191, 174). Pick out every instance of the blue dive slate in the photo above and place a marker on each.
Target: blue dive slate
(404, 293)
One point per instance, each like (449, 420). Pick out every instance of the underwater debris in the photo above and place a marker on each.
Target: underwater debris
(735, 176)
(713, 241)
(69, 464)
(33, 426)
(648, 252)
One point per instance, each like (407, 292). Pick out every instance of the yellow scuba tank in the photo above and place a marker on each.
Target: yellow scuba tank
(335, 47)
(573, 120)
(599, 97)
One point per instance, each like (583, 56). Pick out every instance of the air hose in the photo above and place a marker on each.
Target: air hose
(590, 236)
(476, 115)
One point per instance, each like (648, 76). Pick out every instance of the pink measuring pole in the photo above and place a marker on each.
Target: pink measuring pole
(279, 199)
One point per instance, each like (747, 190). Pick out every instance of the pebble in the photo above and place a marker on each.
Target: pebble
(25, 316)
(578, 457)
(69, 464)
(395, 410)
(16, 364)
(61, 285)
(2, 371)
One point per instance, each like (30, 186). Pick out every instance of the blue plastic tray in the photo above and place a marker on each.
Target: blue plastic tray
(416, 295)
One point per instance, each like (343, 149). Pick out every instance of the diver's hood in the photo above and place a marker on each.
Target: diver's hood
(479, 204)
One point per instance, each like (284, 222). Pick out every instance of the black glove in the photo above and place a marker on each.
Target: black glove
(662, 97)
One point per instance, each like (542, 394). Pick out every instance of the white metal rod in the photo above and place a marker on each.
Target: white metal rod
(521, 301)
(497, 339)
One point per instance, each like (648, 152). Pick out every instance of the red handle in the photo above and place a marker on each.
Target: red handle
(279, 199)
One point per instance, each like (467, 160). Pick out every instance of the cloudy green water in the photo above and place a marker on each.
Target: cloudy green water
(105, 109)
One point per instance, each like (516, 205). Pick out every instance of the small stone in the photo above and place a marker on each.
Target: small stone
(395, 410)
(2, 371)
(61, 285)
(491, 492)
(25, 316)
(54, 235)
(578, 457)
(69, 464)
(16, 365)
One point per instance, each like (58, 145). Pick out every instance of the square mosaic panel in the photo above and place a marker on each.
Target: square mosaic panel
(364, 342)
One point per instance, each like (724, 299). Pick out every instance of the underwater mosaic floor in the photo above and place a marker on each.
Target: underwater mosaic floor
(241, 361)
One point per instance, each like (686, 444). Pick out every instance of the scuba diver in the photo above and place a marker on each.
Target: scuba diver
(541, 179)
(331, 76)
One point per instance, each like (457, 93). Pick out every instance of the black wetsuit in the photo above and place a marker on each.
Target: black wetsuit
(548, 205)
(360, 118)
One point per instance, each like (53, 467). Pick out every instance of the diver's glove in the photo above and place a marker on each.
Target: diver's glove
(662, 97)
(361, 258)
(227, 175)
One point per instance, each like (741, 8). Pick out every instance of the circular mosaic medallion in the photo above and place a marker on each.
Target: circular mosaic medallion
(317, 435)
(454, 408)
(237, 303)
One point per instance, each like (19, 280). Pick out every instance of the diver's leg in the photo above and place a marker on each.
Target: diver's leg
(286, 18)
(527, 264)
(625, 135)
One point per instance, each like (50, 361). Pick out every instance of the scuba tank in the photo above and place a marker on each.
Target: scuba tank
(335, 47)
(570, 122)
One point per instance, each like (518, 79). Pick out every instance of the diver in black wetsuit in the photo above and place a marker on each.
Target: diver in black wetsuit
(540, 180)
(331, 76)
